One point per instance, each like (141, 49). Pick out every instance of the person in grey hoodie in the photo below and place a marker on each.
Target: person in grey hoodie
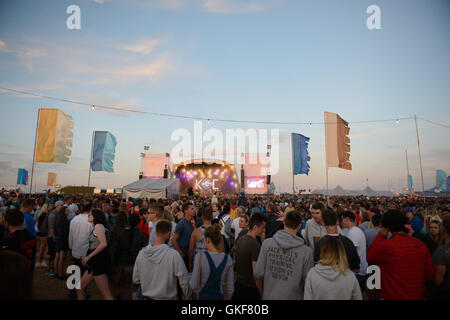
(157, 268)
(284, 262)
(331, 278)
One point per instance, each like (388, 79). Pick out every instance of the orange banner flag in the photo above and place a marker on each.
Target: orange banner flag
(51, 181)
(337, 141)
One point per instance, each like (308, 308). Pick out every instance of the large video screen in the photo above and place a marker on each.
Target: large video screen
(256, 182)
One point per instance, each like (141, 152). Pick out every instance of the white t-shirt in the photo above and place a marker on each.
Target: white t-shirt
(359, 240)
(150, 226)
(235, 226)
(79, 231)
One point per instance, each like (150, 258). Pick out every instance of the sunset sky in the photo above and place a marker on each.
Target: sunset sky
(272, 60)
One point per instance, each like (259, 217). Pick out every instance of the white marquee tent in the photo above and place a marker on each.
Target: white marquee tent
(152, 188)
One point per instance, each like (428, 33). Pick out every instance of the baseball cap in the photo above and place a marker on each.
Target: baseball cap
(59, 203)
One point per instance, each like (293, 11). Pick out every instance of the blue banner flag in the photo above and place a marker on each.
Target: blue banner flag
(441, 180)
(22, 177)
(103, 151)
(410, 182)
(300, 153)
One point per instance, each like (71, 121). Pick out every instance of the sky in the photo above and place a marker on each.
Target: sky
(267, 60)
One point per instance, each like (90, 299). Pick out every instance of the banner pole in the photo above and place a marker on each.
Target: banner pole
(326, 157)
(420, 158)
(292, 153)
(90, 159)
(34, 151)
(407, 174)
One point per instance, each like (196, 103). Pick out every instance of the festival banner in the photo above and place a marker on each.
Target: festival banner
(300, 153)
(410, 182)
(441, 180)
(153, 165)
(337, 141)
(54, 138)
(51, 180)
(22, 177)
(103, 152)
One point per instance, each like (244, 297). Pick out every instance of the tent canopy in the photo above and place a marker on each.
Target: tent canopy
(152, 188)
(339, 191)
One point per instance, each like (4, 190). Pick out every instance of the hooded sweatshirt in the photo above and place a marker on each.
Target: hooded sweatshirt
(326, 283)
(156, 269)
(284, 262)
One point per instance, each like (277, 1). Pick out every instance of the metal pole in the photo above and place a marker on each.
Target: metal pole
(292, 153)
(34, 151)
(90, 159)
(407, 174)
(420, 158)
(326, 156)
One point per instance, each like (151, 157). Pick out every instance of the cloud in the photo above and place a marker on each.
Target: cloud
(129, 73)
(212, 6)
(236, 6)
(49, 59)
(144, 47)
(2, 45)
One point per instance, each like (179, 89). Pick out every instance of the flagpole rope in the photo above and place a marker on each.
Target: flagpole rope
(117, 108)
(435, 123)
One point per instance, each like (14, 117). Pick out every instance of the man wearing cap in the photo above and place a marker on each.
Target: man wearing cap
(405, 262)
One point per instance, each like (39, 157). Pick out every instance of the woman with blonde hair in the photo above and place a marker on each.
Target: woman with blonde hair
(331, 278)
(42, 232)
(435, 234)
(212, 276)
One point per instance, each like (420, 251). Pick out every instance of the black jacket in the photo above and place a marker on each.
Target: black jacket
(350, 250)
(126, 253)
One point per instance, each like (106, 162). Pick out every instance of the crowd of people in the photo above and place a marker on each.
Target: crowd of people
(228, 247)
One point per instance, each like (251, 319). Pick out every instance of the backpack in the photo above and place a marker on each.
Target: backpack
(43, 223)
(226, 226)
